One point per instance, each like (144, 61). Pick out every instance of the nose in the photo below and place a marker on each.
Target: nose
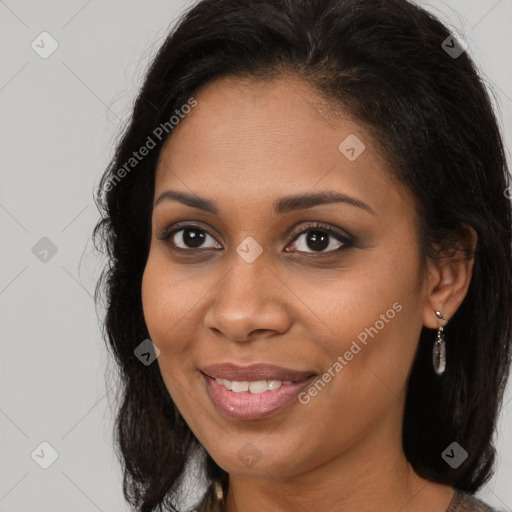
(250, 300)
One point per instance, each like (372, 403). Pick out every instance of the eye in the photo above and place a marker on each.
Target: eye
(320, 237)
(189, 237)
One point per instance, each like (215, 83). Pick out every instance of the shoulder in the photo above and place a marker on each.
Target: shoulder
(464, 502)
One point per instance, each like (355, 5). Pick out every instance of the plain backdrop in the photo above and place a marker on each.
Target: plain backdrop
(60, 119)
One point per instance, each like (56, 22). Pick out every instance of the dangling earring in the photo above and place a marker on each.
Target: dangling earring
(219, 494)
(439, 352)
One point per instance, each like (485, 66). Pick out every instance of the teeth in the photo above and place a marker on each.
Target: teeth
(239, 387)
(274, 384)
(256, 387)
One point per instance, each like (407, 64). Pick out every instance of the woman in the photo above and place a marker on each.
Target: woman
(309, 278)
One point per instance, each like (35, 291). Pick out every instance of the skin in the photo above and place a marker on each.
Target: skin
(246, 144)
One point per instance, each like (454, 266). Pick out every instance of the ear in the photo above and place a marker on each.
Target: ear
(449, 278)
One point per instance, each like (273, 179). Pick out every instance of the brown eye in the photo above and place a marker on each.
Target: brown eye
(321, 239)
(190, 237)
(317, 241)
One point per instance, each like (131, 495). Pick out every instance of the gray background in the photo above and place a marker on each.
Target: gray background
(61, 116)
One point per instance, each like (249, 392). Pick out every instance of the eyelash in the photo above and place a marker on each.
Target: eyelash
(346, 240)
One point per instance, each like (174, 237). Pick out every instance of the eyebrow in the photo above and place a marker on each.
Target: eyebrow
(281, 206)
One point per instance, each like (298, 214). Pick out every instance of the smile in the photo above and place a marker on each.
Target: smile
(256, 387)
(255, 397)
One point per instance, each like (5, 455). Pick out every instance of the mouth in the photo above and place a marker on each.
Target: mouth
(253, 392)
(255, 372)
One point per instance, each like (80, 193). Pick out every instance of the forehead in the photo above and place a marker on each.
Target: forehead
(265, 138)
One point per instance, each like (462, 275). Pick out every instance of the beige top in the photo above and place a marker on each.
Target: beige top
(464, 502)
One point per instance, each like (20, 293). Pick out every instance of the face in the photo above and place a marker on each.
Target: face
(328, 289)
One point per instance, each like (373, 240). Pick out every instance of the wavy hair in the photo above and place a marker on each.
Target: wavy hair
(385, 64)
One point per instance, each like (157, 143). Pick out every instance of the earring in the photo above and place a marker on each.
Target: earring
(439, 352)
(218, 490)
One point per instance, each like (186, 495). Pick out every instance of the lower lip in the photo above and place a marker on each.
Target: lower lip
(251, 406)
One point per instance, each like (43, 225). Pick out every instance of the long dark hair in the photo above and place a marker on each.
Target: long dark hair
(390, 65)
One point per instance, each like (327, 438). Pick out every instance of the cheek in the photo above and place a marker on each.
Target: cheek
(174, 300)
(155, 300)
(165, 303)
(361, 300)
(370, 316)
(166, 309)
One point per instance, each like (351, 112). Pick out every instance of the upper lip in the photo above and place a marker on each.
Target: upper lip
(254, 372)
